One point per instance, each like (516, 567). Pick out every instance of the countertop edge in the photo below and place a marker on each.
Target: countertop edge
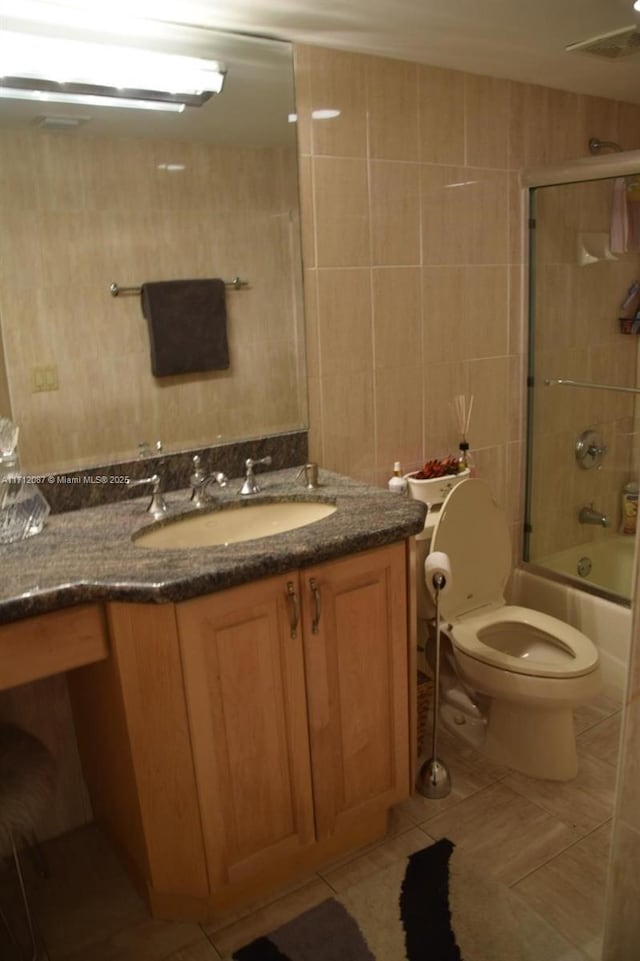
(391, 519)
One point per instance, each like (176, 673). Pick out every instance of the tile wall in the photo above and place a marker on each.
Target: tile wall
(413, 250)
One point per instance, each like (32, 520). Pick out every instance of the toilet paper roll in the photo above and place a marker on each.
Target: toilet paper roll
(437, 563)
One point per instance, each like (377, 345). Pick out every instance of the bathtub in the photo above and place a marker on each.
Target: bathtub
(606, 563)
(607, 623)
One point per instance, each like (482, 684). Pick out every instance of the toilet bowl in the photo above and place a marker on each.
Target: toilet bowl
(512, 675)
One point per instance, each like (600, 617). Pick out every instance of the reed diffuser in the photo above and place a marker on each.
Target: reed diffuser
(462, 409)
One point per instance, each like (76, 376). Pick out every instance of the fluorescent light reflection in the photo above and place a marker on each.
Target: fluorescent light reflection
(71, 61)
(324, 114)
(12, 93)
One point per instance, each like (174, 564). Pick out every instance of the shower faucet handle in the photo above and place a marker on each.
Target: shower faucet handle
(590, 449)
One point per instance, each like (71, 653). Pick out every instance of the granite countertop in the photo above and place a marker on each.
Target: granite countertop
(89, 555)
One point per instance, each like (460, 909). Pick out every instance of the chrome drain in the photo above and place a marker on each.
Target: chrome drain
(584, 566)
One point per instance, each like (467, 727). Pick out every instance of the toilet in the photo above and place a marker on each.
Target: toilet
(511, 676)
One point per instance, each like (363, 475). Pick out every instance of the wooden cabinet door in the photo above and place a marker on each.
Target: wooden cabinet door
(245, 690)
(355, 629)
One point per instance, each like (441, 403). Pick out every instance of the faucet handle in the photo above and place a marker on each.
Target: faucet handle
(250, 485)
(157, 506)
(250, 463)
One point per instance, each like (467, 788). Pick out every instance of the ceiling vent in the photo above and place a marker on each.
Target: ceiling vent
(610, 46)
(60, 122)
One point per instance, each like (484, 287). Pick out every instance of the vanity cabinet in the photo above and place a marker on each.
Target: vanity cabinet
(242, 738)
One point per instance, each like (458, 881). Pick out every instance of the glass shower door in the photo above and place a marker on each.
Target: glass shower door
(582, 453)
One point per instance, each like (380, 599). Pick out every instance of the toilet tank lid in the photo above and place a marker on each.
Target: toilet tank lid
(473, 531)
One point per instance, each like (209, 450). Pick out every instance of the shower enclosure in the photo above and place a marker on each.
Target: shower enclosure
(582, 437)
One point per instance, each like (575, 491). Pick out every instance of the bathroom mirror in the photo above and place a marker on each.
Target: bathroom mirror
(92, 196)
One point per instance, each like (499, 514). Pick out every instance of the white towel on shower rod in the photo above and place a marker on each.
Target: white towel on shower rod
(619, 226)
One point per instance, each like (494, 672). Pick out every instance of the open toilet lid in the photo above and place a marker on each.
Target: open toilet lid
(472, 530)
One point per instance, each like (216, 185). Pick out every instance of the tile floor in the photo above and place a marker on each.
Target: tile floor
(543, 843)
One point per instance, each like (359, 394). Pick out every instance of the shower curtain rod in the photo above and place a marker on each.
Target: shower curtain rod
(582, 383)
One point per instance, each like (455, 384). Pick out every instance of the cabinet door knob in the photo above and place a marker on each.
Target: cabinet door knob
(317, 605)
(295, 609)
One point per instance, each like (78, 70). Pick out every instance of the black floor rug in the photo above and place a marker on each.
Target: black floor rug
(400, 914)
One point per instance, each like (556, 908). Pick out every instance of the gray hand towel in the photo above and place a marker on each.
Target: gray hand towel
(187, 322)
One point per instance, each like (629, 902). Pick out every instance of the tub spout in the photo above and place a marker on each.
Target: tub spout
(588, 515)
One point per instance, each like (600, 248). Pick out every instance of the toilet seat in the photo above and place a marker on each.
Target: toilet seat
(472, 530)
(551, 649)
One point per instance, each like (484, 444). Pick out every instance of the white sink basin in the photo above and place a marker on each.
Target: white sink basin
(234, 525)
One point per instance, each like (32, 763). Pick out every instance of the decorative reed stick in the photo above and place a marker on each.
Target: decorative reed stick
(463, 414)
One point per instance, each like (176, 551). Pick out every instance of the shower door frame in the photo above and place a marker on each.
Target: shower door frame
(585, 169)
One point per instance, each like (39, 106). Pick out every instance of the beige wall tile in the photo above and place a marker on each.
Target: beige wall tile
(395, 213)
(392, 97)
(338, 82)
(397, 324)
(518, 308)
(489, 384)
(628, 126)
(514, 483)
(18, 172)
(442, 382)
(348, 424)
(316, 446)
(398, 400)
(312, 333)
(342, 212)
(465, 312)
(601, 119)
(517, 397)
(486, 111)
(307, 219)
(441, 106)
(518, 221)
(345, 329)
(464, 215)
(547, 126)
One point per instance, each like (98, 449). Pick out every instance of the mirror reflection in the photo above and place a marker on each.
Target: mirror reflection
(92, 196)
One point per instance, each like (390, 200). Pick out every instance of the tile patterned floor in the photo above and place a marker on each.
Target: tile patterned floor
(544, 844)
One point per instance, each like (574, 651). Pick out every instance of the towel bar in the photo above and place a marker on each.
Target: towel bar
(236, 283)
(581, 383)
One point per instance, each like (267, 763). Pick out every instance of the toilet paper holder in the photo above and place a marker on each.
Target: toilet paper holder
(434, 780)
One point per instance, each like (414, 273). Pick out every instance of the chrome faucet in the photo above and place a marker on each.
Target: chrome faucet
(157, 506)
(200, 482)
(588, 515)
(250, 485)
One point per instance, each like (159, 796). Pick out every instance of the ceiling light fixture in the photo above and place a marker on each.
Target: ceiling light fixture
(38, 67)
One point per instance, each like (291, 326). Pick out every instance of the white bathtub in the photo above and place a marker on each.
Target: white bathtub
(606, 623)
(607, 563)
